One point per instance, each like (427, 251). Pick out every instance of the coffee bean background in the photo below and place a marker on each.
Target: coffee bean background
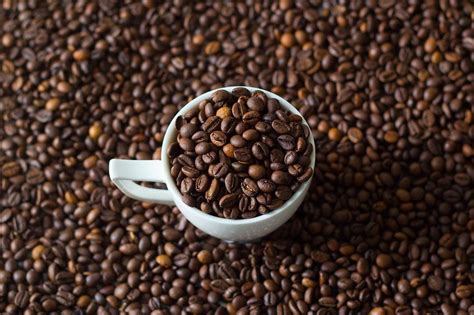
(386, 86)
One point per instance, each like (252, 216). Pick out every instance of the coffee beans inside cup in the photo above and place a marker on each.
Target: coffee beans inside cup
(240, 154)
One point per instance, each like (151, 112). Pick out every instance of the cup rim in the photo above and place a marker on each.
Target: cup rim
(170, 135)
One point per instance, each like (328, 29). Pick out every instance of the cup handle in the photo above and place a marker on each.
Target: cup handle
(124, 172)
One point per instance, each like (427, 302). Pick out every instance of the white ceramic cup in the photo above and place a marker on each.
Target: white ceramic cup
(124, 173)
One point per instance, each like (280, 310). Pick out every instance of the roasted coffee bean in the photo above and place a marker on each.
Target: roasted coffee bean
(260, 150)
(186, 185)
(287, 142)
(228, 125)
(281, 178)
(213, 190)
(251, 135)
(243, 155)
(218, 138)
(251, 117)
(186, 144)
(219, 170)
(238, 110)
(200, 136)
(266, 185)
(190, 171)
(283, 192)
(255, 103)
(187, 130)
(238, 141)
(232, 182)
(209, 157)
(280, 127)
(202, 148)
(256, 171)
(249, 187)
(228, 201)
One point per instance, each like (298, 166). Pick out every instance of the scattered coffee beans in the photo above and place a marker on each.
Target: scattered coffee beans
(240, 154)
(388, 224)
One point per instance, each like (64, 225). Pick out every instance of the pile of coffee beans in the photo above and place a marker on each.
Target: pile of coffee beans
(240, 154)
(385, 86)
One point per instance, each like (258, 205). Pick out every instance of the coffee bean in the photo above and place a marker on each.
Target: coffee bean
(220, 170)
(65, 298)
(186, 144)
(211, 124)
(250, 135)
(281, 178)
(213, 190)
(218, 138)
(190, 171)
(243, 155)
(201, 184)
(260, 150)
(251, 117)
(228, 125)
(287, 142)
(266, 185)
(256, 171)
(186, 185)
(228, 200)
(249, 187)
(187, 130)
(189, 200)
(231, 182)
(280, 127)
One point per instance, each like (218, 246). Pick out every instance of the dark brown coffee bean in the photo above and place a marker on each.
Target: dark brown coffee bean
(251, 117)
(266, 185)
(228, 200)
(218, 138)
(210, 157)
(220, 170)
(280, 127)
(202, 148)
(243, 155)
(256, 171)
(238, 141)
(283, 192)
(190, 171)
(241, 92)
(21, 298)
(186, 185)
(260, 150)
(238, 110)
(187, 130)
(213, 190)
(200, 136)
(305, 175)
(185, 160)
(251, 135)
(186, 144)
(220, 95)
(232, 182)
(211, 124)
(286, 142)
(281, 178)
(255, 103)
(228, 125)
(249, 187)
(263, 127)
